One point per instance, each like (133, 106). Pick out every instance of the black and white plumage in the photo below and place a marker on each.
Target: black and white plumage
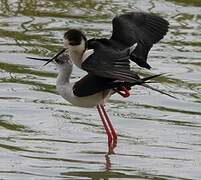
(107, 62)
(132, 37)
(138, 28)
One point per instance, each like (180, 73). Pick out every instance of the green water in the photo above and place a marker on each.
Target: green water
(44, 137)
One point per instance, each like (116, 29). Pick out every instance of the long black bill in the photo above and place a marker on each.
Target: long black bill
(54, 57)
(46, 59)
(39, 59)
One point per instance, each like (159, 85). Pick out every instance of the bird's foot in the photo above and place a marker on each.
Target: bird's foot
(124, 92)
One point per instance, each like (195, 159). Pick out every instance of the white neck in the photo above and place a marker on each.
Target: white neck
(76, 52)
(64, 74)
(63, 79)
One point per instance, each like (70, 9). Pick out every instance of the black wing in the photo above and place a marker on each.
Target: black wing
(109, 63)
(141, 28)
(91, 84)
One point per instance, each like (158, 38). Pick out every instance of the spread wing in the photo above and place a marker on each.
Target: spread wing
(109, 63)
(141, 28)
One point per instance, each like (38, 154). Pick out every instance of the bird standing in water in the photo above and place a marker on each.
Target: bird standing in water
(107, 62)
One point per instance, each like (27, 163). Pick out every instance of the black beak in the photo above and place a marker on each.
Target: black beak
(40, 59)
(46, 59)
(55, 57)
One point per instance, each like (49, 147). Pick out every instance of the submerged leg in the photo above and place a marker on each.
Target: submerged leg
(112, 136)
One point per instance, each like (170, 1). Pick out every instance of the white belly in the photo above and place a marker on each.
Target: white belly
(88, 101)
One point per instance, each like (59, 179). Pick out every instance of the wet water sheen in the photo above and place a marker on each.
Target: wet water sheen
(44, 137)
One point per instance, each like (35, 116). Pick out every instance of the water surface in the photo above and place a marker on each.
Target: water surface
(44, 137)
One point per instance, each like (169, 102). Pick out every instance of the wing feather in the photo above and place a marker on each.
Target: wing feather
(141, 28)
(109, 63)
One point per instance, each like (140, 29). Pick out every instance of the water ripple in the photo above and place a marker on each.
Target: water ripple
(44, 137)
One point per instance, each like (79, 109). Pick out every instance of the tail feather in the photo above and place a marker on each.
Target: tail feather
(157, 90)
(151, 77)
(144, 81)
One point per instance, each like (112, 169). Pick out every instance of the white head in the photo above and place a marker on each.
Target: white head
(75, 40)
(75, 44)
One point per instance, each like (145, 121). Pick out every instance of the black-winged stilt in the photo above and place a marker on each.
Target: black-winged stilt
(107, 62)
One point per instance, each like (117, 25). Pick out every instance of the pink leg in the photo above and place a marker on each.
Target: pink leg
(108, 132)
(112, 136)
(124, 92)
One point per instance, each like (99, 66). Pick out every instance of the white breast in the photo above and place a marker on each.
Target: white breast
(86, 54)
(89, 101)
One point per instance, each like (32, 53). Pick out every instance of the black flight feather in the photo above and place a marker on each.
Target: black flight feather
(91, 84)
(109, 63)
(141, 28)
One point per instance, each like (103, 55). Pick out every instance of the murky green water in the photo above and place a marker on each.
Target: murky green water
(44, 137)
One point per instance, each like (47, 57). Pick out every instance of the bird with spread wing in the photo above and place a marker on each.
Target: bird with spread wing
(107, 62)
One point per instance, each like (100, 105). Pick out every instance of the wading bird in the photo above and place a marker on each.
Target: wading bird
(107, 62)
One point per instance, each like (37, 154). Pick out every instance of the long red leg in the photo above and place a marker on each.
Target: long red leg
(112, 136)
(109, 134)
